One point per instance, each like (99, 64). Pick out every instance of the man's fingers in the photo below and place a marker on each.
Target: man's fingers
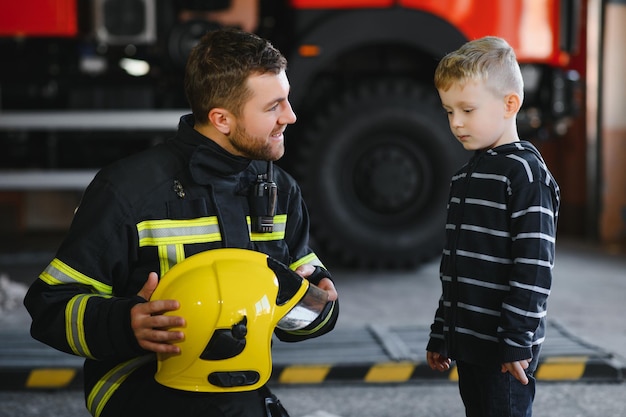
(161, 336)
(161, 321)
(159, 341)
(149, 315)
(149, 287)
(328, 286)
(305, 270)
(160, 347)
(160, 306)
(153, 333)
(151, 326)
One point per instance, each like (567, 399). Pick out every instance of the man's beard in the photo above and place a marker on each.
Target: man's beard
(254, 147)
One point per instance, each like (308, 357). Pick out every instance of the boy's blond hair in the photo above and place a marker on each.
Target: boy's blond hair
(489, 59)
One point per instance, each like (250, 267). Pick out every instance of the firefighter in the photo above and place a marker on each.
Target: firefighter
(212, 186)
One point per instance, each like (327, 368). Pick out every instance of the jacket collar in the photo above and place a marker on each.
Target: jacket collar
(206, 158)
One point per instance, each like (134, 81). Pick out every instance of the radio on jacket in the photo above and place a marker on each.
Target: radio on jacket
(263, 202)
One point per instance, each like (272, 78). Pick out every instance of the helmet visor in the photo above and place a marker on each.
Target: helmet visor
(306, 311)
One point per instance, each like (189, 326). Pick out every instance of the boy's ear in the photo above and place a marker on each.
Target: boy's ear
(221, 119)
(512, 103)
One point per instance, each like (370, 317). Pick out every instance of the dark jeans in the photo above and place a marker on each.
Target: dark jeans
(487, 392)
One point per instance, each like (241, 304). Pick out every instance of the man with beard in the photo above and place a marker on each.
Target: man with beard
(142, 215)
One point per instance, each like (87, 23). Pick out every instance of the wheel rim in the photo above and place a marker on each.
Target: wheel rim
(390, 176)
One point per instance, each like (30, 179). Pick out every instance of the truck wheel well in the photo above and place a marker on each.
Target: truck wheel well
(364, 40)
(363, 65)
(375, 177)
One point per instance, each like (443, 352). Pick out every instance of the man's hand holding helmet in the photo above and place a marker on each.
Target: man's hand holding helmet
(311, 272)
(150, 325)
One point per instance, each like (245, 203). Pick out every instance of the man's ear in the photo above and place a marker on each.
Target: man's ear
(512, 103)
(221, 119)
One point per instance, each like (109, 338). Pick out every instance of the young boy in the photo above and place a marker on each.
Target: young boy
(496, 267)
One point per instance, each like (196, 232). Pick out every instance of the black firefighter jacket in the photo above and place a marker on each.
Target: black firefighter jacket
(146, 213)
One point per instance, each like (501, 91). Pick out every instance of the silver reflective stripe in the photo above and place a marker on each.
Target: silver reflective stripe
(60, 273)
(169, 236)
(74, 324)
(168, 232)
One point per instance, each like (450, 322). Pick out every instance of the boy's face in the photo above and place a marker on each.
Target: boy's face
(478, 118)
(258, 131)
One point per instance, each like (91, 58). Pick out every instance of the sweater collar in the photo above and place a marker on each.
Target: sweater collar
(509, 148)
(206, 158)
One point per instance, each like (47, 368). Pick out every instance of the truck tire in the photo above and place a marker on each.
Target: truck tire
(375, 169)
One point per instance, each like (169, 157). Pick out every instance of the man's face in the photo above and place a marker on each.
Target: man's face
(258, 132)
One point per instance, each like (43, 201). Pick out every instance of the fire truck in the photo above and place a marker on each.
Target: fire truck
(85, 82)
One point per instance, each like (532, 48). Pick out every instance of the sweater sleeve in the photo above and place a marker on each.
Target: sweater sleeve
(436, 337)
(533, 232)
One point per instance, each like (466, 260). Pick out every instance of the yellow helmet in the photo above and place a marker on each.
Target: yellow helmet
(231, 300)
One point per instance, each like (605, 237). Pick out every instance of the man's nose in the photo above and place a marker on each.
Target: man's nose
(288, 117)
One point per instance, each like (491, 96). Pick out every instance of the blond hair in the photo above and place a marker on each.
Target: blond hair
(489, 59)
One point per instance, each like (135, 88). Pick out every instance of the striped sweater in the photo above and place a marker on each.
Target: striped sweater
(496, 266)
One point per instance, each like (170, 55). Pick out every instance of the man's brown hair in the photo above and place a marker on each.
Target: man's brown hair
(219, 66)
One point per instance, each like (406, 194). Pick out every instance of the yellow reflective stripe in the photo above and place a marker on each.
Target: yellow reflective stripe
(164, 261)
(179, 251)
(74, 324)
(262, 237)
(58, 273)
(106, 386)
(311, 258)
(280, 224)
(172, 232)
(169, 236)
(304, 332)
(169, 256)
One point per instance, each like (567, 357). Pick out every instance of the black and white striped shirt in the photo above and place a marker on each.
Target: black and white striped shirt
(496, 267)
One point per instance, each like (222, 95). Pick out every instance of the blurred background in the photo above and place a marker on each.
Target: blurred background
(83, 83)
(86, 82)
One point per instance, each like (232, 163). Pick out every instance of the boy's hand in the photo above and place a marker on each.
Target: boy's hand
(437, 362)
(517, 369)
